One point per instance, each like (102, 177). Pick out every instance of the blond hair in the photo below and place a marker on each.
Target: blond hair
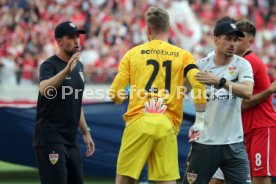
(158, 19)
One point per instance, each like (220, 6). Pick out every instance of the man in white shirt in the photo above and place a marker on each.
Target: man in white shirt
(228, 79)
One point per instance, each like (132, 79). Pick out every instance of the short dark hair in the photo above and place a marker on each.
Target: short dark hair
(158, 19)
(246, 26)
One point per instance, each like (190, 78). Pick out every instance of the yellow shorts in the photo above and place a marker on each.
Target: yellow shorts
(149, 138)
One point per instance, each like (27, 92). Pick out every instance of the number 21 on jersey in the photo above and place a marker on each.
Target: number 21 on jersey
(168, 66)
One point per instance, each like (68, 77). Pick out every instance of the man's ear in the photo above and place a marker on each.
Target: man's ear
(59, 41)
(216, 39)
(251, 41)
(149, 31)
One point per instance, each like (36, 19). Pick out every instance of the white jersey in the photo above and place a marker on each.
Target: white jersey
(223, 123)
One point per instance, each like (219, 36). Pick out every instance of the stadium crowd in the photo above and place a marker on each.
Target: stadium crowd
(114, 26)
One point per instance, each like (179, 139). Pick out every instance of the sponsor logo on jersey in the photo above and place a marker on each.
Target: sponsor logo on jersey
(191, 177)
(220, 97)
(162, 52)
(53, 157)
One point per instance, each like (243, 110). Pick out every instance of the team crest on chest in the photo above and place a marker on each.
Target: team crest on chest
(191, 177)
(232, 70)
(81, 75)
(53, 157)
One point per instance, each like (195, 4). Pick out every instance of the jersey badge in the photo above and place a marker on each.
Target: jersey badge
(191, 177)
(232, 70)
(53, 157)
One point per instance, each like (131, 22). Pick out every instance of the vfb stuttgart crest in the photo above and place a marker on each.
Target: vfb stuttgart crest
(191, 177)
(232, 70)
(53, 157)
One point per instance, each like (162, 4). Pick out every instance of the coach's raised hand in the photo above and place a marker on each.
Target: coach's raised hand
(72, 62)
(57, 80)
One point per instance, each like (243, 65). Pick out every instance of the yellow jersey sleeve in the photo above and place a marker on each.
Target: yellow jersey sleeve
(121, 80)
(190, 71)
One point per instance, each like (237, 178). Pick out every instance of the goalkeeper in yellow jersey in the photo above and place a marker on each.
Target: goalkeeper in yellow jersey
(156, 72)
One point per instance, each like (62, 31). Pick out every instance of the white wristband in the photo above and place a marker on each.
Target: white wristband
(199, 121)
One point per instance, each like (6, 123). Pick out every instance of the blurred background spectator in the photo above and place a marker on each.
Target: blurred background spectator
(114, 26)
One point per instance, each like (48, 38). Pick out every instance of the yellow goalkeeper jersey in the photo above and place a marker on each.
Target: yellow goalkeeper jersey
(155, 69)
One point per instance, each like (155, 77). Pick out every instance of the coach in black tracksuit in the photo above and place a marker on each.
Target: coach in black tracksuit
(60, 113)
